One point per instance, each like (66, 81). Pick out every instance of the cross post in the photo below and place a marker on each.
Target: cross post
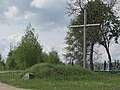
(84, 39)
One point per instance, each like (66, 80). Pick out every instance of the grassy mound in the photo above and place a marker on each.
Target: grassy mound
(62, 72)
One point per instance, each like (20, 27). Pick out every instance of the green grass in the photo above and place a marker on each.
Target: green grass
(60, 72)
(59, 77)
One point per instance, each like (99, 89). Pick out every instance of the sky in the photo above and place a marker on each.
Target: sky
(46, 16)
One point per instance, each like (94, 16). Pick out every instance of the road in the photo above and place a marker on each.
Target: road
(7, 87)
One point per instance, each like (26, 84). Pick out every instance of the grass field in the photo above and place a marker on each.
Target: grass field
(54, 77)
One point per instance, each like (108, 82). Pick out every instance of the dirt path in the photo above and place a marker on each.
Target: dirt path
(7, 87)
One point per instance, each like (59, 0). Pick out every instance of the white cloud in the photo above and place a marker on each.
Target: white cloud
(12, 11)
(114, 50)
(29, 15)
(64, 29)
(15, 38)
(42, 3)
(13, 14)
(37, 3)
(6, 41)
(4, 47)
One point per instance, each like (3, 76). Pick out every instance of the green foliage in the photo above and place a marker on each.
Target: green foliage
(53, 57)
(45, 57)
(74, 38)
(97, 12)
(28, 52)
(0, 57)
(2, 64)
(11, 63)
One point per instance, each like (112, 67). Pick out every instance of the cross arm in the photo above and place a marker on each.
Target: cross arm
(88, 25)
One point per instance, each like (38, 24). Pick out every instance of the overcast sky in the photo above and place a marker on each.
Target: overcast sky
(46, 16)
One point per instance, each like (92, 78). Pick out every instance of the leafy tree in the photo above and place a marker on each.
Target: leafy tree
(97, 12)
(75, 46)
(74, 7)
(2, 64)
(75, 36)
(11, 63)
(110, 29)
(45, 57)
(53, 57)
(28, 52)
(0, 57)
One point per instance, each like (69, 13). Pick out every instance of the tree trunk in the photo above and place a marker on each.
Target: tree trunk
(72, 63)
(91, 57)
(109, 57)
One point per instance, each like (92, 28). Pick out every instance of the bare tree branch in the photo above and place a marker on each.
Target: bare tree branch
(112, 4)
(73, 7)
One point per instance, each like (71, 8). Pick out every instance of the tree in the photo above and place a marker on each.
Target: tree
(110, 29)
(11, 63)
(75, 6)
(29, 51)
(74, 46)
(45, 57)
(97, 12)
(77, 35)
(0, 57)
(2, 64)
(53, 57)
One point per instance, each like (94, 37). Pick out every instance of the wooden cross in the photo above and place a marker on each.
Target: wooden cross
(84, 36)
